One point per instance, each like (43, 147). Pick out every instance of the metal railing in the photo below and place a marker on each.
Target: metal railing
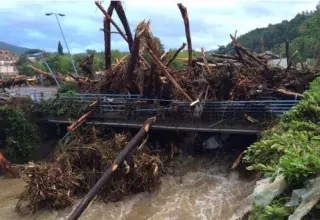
(135, 107)
(33, 94)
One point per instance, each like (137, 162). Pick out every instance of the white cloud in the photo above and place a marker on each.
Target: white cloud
(211, 21)
(34, 34)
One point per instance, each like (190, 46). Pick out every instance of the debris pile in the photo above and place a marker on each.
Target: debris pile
(244, 76)
(16, 81)
(79, 164)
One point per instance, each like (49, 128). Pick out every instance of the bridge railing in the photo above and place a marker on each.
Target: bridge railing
(133, 107)
(34, 94)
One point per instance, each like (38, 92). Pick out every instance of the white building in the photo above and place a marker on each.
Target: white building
(7, 63)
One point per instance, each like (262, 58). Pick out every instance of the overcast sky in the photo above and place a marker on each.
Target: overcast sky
(23, 22)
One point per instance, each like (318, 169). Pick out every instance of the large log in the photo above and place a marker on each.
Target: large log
(185, 17)
(40, 72)
(247, 52)
(205, 61)
(124, 21)
(133, 61)
(108, 17)
(162, 67)
(107, 38)
(82, 119)
(234, 42)
(108, 173)
(118, 29)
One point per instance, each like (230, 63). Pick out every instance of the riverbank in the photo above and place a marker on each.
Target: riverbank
(290, 152)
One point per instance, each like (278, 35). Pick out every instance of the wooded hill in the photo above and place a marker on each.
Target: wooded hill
(302, 32)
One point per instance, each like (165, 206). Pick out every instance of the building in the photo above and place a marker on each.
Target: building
(276, 60)
(8, 63)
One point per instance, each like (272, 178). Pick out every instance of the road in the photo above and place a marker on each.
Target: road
(32, 88)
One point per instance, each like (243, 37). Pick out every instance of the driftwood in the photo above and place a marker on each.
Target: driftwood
(185, 17)
(237, 161)
(133, 61)
(224, 56)
(108, 17)
(167, 74)
(176, 54)
(108, 173)
(82, 119)
(205, 61)
(285, 92)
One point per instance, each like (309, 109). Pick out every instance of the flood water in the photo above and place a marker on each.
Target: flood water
(197, 192)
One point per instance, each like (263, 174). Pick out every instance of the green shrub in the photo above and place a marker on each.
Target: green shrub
(291, 148)
(67, 87)
(19, 137)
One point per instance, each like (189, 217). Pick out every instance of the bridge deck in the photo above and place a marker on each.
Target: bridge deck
(227, 126)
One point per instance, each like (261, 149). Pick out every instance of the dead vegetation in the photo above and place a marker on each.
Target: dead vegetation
(79, 164)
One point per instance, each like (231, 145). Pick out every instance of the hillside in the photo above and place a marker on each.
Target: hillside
(302, 32)
(12, 48)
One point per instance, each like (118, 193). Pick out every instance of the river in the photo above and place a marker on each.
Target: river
(198, 192)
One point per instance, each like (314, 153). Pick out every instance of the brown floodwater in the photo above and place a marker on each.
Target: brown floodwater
(198, 192)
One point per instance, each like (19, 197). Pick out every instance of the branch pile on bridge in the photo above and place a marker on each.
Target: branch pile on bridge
(243, 76)
(79, 163)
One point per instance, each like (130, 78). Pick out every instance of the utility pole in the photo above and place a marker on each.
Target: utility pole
(62, 15)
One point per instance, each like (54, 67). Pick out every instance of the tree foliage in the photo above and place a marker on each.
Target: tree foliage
(60, 48)
(292, 148)
(18, 137)
(303, 32)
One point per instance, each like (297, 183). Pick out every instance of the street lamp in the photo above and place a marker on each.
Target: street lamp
(62, 15)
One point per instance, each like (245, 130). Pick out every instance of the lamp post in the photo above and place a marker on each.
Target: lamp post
(48, 67)
(62, 15)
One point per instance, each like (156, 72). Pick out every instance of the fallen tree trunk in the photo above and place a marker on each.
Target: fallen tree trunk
(40, 72)
(167, 74)
(108, 173)
(108, 17)
(118, 29)
(185, 17)
(132, 62)
(107, 38)
(205, 61)
(77, 123)
(124, 21)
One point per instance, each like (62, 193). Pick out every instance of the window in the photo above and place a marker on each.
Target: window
(6, 52)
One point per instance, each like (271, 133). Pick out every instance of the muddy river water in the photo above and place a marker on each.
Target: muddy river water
(198, 193)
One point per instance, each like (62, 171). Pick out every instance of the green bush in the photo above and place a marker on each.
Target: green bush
(67, 87)
(291, 148)
(19, 137)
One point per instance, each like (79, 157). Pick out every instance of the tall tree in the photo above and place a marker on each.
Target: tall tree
(60, 49)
